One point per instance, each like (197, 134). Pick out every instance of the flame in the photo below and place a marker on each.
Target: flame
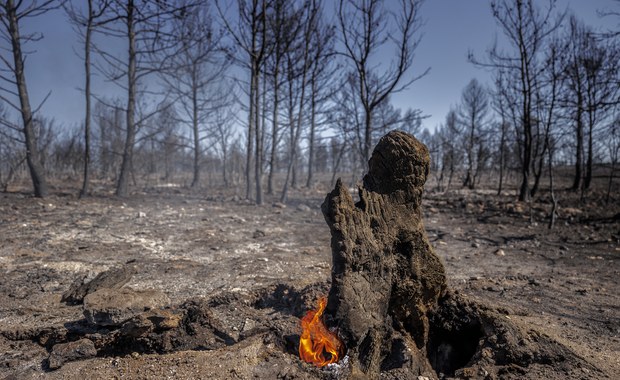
(316, 339)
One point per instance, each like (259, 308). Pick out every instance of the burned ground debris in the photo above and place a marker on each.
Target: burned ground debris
(233, 303)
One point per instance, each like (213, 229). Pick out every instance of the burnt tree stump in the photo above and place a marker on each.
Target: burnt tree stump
(386, 279)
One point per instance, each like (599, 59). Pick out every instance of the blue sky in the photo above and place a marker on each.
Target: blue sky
(452, 27)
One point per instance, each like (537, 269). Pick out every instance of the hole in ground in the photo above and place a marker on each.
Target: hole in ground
(454, 337)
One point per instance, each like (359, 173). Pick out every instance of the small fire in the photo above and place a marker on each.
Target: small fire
(316, 340)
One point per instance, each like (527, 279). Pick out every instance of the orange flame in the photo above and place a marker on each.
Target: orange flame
(316, 339)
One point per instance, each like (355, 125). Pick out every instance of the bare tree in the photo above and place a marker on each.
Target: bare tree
(195, 75)
(347, 119)
(223, 133)
(250, 36)
(473, 114)
(298, 70)
(452, 154)
(321, 73)
(574, 97)
(367, 29)
(168, 139)
(85, 24)
(108, 136)
(282, 29)
(11, 15)
(499, 104)
(602, 68)
(526, 28)
(144, 26)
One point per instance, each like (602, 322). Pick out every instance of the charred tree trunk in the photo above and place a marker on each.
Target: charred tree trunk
(87, 47)
(386, 279)
(274, 131)
(312, 133)
(251, 132)
(33, 156)
(502, 148)
(195, 132)
(588, 177)
(257, 138)
(579, 148)
(122, 187)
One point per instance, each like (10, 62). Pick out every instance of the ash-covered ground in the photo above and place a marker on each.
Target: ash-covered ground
(235, 279)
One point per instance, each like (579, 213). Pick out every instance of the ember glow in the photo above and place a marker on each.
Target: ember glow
(318, 345)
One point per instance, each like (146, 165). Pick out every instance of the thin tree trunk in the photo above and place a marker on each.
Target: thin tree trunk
(524, 190)
(588, 177)
(554, 201)
(470, 178)
(526, 92)
(336, 163)
(297, 129)
(611, 179)
(367, 136)
(87, 37)
(451, 174)
(249, 148)
(274, 133)
(502, 147)
(312, 134)
(579, 153)
(196, 132)
(224, 165)
(257, 128)
(33, 157)
(122, 188)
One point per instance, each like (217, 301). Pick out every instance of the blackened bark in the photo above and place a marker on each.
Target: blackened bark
(87, 37)
(579, 142)
(195, 130)
(386, 279)
(122, 186)
(33, 156)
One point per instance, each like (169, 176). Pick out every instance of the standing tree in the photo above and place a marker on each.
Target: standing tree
(473, 115)
(89, 21)
(367, 29)
(11, 14)
(280, 22)
(195, 75)
(526, 28)
(499, 105)
(298, 63)
(144, 25)
(250, 36)
(452, 154)
(591, 75)
(321, 73)
(574, 96)
(601, 63)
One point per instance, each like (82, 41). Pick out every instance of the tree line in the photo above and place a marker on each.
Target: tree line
(263, 94)
(554, 101)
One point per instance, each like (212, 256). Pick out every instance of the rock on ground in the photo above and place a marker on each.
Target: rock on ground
(66, 352)
(112, 307)
(112, 279)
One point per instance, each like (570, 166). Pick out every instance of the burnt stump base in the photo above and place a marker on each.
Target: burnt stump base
(389, 299)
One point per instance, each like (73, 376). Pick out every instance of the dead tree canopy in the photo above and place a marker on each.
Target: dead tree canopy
(386, 279)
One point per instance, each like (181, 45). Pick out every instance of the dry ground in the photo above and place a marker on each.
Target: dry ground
(260, 267)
